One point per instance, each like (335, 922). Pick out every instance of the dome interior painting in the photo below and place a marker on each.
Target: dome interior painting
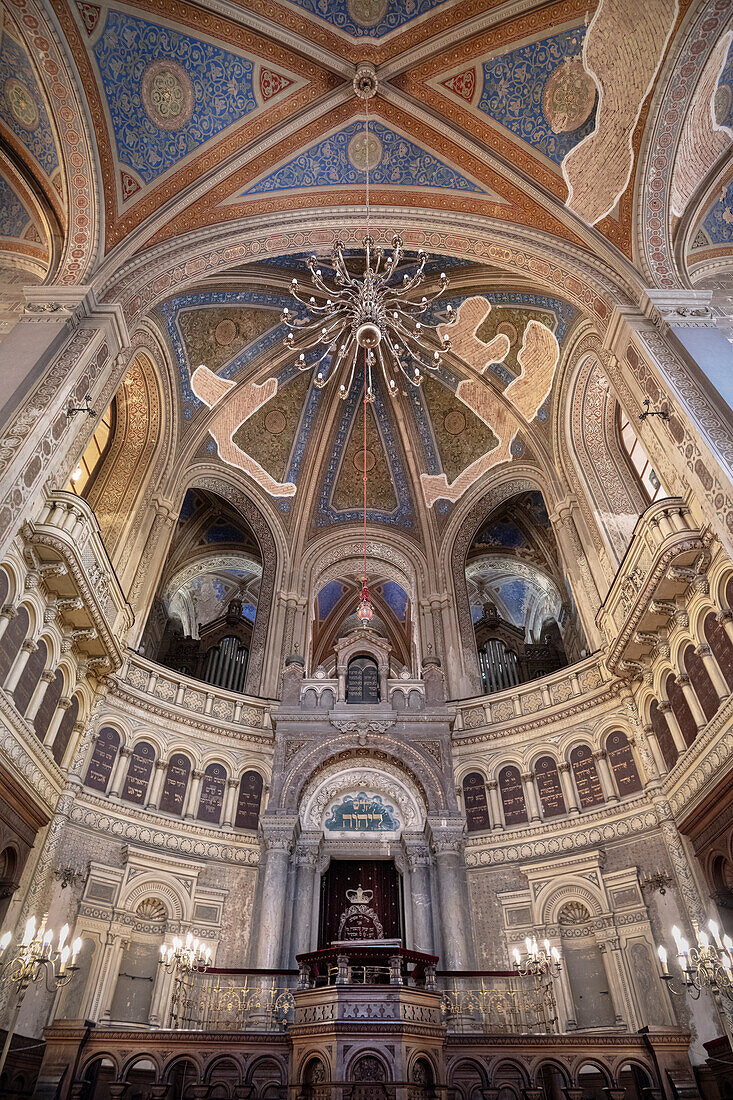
(366, 549)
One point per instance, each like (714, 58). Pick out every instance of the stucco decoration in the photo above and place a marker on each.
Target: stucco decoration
(504, 414)
(245, 401)
(703, 140)
(339, 781)
(623, 50)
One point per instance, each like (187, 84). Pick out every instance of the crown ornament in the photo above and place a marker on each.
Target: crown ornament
(359, 896)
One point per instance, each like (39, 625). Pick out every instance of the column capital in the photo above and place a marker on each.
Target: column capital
(563, 766)
(48, 676)
(704, 650)
(680, 308)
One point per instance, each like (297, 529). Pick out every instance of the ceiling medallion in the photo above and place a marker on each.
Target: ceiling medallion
(373, 311)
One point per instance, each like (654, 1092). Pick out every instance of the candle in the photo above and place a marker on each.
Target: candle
(662, 952)
(517, 957)
(75, 949)
(30, 928)
(64, 959)
(715, 931)
(62, 937)
(7, 937)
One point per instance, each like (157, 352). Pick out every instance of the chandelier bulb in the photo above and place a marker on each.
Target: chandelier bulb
(294, 282)
(302, 357)
(318, 272)
(436, 356)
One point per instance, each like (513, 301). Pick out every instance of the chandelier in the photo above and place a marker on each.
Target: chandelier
(373, 311)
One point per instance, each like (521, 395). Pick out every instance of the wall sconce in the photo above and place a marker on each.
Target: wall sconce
(85, 408)
(67, 876)
(658, 880)
(662, 412)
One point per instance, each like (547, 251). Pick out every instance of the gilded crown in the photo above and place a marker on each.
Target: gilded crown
(359, 896)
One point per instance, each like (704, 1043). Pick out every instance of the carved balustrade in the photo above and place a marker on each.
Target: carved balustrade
(64, 551)
(541, 697)
(668, 555)
(403, 692)
(186, 698)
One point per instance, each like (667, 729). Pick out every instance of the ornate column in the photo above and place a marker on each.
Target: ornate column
(277, 840)
(530, 796)
(689, 323)
(494, 806)
(724, 617)
(47, 677)
(568, 788)
(157, 785)
(58, 715)
(146, 576)
(77, 731)
(447, 845)
(665, 708)
(118, 772)
(192, 798)
(305, 859)
(418, 861)
(604, 774)
(576, 562)
(719, 682)
(8, 612)
(230, 803)
(659, 761)
(692, 701)
(19, 664)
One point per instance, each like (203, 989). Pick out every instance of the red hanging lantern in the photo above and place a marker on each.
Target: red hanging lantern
(365, 611)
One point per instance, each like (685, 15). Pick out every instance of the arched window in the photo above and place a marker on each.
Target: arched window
(65, 730)
(97, 447)
(622, 762)
(586, 776)
(50, 701)
(4, 587)
(474, 801)
(721, 645)
(138, 773)
(362, 680)
(549, 789)
(512, 796)
(249, 801)
(650, 483)
(98, 1076)
(211, 801)
(700, 679)
(177, 774)
(681, 709)
(661, 730)
(226, 664)
(103, 758)
(30, 676)
(15, 634)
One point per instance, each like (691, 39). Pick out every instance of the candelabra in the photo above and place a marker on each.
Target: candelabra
(536, 963)
(657, 880)
(183, 960)
(709, 965)
(33, 959)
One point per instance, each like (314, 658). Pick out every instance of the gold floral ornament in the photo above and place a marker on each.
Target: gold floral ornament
(21, 103)
(568, 97)
(167, 95)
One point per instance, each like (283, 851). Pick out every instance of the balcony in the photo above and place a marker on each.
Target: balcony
(668, 554)
(64, 549)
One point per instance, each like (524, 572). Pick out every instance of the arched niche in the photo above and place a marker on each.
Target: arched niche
(120, 477)
(516, 616)
(327, 804)
(334, 616)
(210, 614)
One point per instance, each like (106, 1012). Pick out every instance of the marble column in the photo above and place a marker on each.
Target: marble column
(665, 708)
(568, 788)
(530, 796)
(53, 727)
(305, 859)
(7, 612)
(656, 752)
(192, 799)
(277, 841)
(19, 664)
(418, 861)
(724, 617)
(692, 700)
(447, 844)
(230, 804)
(157, 785)
(494, 806)
(47, 678)
(719, 682)
(118, 772)
(604, 774)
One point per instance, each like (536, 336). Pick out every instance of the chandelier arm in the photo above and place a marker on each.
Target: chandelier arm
(412, 378)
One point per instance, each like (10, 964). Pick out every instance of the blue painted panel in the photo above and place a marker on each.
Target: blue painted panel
(724, 94)
(377, 19)
(221, 85)
(14, 217)
(513, 87)
(224, 532)
(328, 597)
(362, 813)
(327, 164)
(396, 598)
(18, 84)
(718, 222)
